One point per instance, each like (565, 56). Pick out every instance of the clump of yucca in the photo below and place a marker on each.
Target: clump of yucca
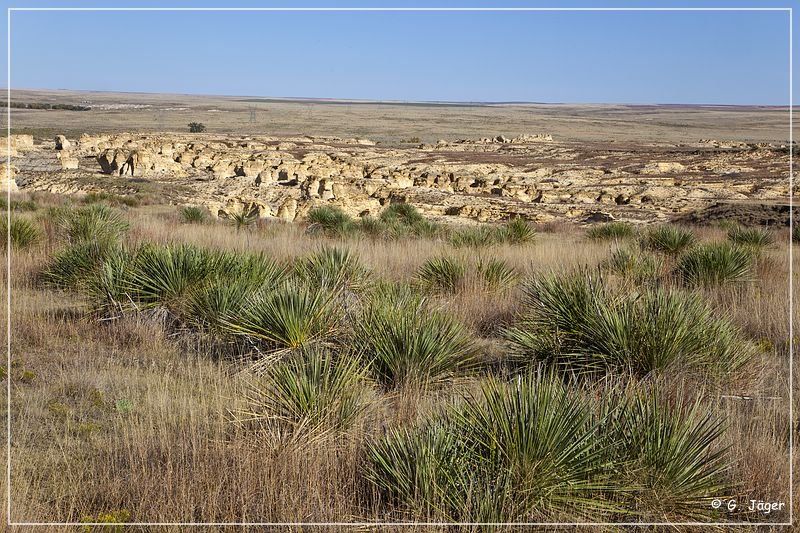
(475, 237)
(755, 237)
(72, 266)
(635, 265)
(537, 449)
(496, 274)
(331, 221)
(668, 239)
(516, 231)
(444, 274)
(716, 264)
(402, 213)
(575, 323)
(194, 215)
(610, 231)
(243, 219)
(287, 318)
(312, 394)
(94, 223)
(409, 343)
(23, 233)
(334, 268)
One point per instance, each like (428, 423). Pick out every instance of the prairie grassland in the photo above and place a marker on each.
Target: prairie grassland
(140, 411)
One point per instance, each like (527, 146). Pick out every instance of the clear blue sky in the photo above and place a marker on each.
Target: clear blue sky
(626, 57)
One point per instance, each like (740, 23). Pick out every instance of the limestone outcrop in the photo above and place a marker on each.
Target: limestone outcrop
(485, 179)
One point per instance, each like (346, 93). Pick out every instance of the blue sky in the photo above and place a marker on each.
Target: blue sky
(604, 57)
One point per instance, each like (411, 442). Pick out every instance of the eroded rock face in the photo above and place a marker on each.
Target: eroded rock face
(487, 179)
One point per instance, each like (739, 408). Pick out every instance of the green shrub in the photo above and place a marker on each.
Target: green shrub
(73, 266)
(497, 274)
(475, 237)
(23, 233)
(574, 323)
(23, 205)
(197, 127)
(516, 231)
(311, 394)
(410, 343)
(107, 284)
(635, 265)
(110, 199)
(96, 223)
(243, 219)
(668, 239)
(331, 220)
(194, 215)
(442, 274)
(796, 232)
(333, 268)
(374, 228)
(289, 317)
(755, 237)
(715, 264)
(401, 213)
(610, 231)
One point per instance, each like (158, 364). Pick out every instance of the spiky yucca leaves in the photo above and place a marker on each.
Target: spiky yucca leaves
(72, 266)
(635, 265)
(796, 232)
(409, 343)
(243, 219)
(163, 276)
(516, 231)
(107, 286)
(668, 239)
(96, 222)
(444, 274)
(669, 454)
(287, 318)
(755, 237)
(525, 451)
(22, 232)
(473, 237)
(610, 231)
(574, 322)
(715, 264)
(497, 274)
(194, 214)
(311, 394)
(402, 213)
(330, 220)
(334, 268)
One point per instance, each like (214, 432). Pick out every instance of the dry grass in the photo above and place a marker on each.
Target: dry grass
(122, 416)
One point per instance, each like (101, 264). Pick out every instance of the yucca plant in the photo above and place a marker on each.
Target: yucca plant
(409, 343)
(497, 274)
(209, 305)
(311, 394)
(635, 265)
(610, 231)
(163, 276)
(668, 239)
(22, 232)
(444, 274)
(330, 220)
(516, 231)
(333, 268)
(96, 222)
(107, 286)
(573, 322)
(669, 454)
(194, 214)
(72, 266)
(796, 232)
(755, 237)
(401, 213)
(473, 237)
(373, 227)
(287, 318)
(243, 219)
(715, 264)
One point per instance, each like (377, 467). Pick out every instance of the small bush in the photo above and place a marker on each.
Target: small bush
(93, 223)
(311, 394)
(668, 239)
(194, 215)
(575, 323)
(401, 213)
(243, 219)
(333, 268)
(497, 274)
(24, 233)
(331, 220)
(715, 264)
(409, 343)
(476, 237)
(197, 127)
(610, 231)
(755, 237)
(442, 274)
(74, 265)
(516, 231)
(635, 265)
